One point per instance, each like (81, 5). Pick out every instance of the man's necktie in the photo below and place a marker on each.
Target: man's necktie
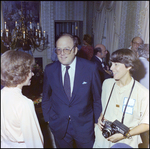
(67, 83)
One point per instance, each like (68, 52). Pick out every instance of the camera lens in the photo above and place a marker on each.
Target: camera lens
(106, 133)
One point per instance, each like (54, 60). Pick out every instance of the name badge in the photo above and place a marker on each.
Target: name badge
(130, 105)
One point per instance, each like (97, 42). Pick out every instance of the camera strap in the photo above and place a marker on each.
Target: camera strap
(126, 103)
(108, 101)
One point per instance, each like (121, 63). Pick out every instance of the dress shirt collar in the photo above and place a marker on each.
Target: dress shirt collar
(99, 58)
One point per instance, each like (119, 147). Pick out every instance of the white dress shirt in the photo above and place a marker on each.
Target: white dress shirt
(145, 80)
(71, 72)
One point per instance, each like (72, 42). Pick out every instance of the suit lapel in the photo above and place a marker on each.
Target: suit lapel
(100, 63)
(59, 78)
(78, 77)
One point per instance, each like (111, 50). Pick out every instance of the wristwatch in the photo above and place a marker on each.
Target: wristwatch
(128, 135)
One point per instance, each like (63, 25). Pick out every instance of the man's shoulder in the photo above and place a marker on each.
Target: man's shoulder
(83, 61)
(52, 65)
(95, 59)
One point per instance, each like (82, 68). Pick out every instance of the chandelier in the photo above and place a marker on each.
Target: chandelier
(24, 37)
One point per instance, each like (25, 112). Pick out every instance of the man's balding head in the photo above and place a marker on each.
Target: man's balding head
(135, 43)
(103, 50)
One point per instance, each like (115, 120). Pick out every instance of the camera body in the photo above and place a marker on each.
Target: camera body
(111, 128)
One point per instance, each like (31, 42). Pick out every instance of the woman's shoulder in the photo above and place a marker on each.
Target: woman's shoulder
(109, 81)
(26, 100)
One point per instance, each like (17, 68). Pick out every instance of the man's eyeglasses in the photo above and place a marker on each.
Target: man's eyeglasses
(135, 43)
(65, 50)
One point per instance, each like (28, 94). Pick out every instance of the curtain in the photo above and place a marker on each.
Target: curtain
(99, 23)
(117, 24)
(109, 11)
(144, 21)
(109, 31)
(113, 20)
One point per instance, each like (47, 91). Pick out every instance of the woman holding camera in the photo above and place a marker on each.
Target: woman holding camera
(19, 124)
(126, 97)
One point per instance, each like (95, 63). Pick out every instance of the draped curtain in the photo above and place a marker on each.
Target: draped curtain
(113, 15)
(110, 26)
(109, 11)
(144, 21)
(99, 22)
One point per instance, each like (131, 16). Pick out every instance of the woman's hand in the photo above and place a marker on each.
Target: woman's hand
(100, 122)
(116, 137)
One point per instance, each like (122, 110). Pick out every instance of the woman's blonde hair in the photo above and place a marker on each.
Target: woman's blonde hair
(15, 67)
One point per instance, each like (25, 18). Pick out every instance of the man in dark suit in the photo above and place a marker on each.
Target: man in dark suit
(100, 53)
(71, 114)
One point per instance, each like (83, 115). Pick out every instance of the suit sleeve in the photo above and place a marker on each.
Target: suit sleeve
(46, 104)
(96, 89)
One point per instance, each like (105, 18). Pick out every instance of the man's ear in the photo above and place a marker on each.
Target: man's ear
(75, 50)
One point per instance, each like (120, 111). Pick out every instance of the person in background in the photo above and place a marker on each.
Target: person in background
(99, 54)
(54, 56)
(106, 59)
(19, 124)
(118, 91)
(86, 50)
(142, 76)
(142, 73)
(71, 100)
(135, 43)
(78, 42)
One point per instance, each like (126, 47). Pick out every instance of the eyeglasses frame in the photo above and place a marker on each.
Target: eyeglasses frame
(63, 51)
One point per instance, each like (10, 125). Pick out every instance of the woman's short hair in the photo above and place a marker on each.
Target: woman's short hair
(126, 57)
(15, 67)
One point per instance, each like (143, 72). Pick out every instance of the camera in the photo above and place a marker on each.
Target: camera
(111, 128)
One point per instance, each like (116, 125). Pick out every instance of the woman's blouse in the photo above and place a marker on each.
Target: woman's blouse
(19, 124)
